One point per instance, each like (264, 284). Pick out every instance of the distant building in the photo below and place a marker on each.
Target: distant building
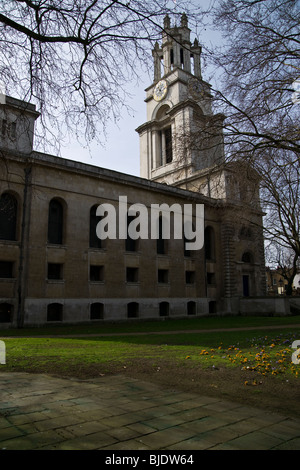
(276, 283)
(54, 268)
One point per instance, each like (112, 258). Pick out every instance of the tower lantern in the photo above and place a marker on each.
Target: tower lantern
(178, 101)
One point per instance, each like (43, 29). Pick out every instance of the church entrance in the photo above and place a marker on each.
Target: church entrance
(246, 285)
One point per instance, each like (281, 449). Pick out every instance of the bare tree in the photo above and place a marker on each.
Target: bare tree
(261, 68)
(74, 58)
(261, 62)
(280, 197)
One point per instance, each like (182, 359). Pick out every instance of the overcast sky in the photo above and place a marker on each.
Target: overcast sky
(121, 151)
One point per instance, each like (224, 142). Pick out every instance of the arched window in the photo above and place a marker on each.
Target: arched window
(8, 217)
(191, 308)
(212, 306)
(161, 242)
(209, 243)
(55, 222)
(95, 242)
(55, 312)
(163, 137)
(188, 228)
(164, 309)
(6, 313)
(132, 310)
(130, 243)
(96, 311)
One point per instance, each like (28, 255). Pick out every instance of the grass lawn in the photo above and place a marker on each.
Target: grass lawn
(257, 362)
(167, 324)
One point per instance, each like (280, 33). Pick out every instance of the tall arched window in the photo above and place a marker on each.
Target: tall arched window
(209, 243)
(163, 148)
(95, 242)
(130, 243)
(161, 243)
(8, 217)
(188, 228)
(55, 222)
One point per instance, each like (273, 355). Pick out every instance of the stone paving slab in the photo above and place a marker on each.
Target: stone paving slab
(117, 413)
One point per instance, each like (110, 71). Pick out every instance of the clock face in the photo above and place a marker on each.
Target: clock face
(160, 90)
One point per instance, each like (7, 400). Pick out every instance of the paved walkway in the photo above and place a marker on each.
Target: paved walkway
(119, 413)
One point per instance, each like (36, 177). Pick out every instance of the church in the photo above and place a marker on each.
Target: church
(54, 266)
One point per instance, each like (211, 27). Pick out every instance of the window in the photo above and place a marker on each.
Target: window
(209, 243)
(132, 310)
(191, 308)
(95, 242)
(161, 243)
(181, 56)
(6, 313)
(96, 273)
(212, 306)
(55, 271)
(187, 253)
(211, 279)
(96, 311)
(165, 145)
(55, 312)
(8, 217)
(6, 269)
(132, 274)
(163, 276)
(164, 309)
(246, 285)
(190, 277)
(168, 141)
(130, 243)
(55, 222)
(189, 229)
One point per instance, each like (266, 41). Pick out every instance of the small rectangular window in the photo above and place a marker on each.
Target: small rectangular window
(96, 273)
(190, 277)
(6, 269)
(163, 276)
(132, 274)
(211, 279)
(55, 271)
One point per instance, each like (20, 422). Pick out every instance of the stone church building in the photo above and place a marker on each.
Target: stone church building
(53, 266)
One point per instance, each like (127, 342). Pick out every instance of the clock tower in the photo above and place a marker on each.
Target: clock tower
(182, 138)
